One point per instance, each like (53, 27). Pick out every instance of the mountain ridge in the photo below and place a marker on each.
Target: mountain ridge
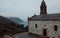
(18, 20)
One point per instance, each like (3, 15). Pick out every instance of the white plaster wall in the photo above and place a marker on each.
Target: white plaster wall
(49, 26)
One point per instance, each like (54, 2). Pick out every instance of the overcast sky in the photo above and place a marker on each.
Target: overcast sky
(25, 8)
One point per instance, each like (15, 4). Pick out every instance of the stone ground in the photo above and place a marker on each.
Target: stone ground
(24, 35)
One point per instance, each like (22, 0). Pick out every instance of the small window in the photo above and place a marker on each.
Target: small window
(35, 25)
(55, 27)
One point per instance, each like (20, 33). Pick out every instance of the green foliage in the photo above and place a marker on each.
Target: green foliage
(13, 29)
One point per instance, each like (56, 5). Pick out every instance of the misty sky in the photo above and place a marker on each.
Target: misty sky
(25, 8)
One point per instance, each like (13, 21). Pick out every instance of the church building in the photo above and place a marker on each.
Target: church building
(47, 25)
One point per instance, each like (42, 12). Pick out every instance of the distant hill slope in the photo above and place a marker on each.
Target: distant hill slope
(25, 23)
(16, 20)
(7, 26)
(4, 20)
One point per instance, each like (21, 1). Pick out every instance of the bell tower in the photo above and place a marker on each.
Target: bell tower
(43, 8)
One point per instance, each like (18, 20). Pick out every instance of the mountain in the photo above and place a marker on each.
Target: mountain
(4, 20)
(25, 23)
(11, 25)
(8, 26)
(16, 20)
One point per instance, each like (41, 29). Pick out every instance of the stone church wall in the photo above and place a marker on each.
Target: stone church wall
(48, 25)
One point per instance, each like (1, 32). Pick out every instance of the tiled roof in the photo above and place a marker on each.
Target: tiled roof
(48, 17)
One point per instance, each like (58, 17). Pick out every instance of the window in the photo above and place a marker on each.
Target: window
(35, 25)
(55, 27)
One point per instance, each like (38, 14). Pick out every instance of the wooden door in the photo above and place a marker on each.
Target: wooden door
(44, 32)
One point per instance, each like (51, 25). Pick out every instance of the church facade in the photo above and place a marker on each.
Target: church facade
(47, 25)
